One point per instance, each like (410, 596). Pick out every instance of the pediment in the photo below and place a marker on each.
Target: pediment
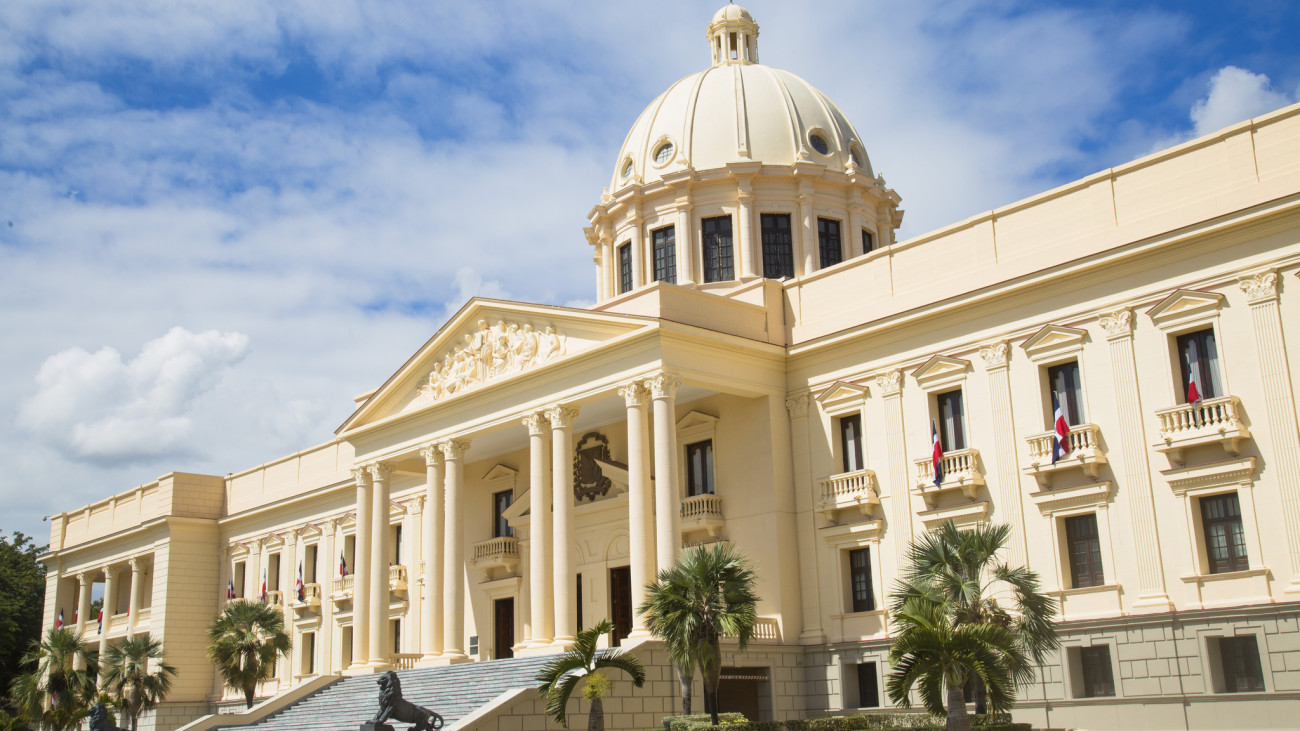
(1054, 341)
(488, 343)
(501, 473)
(309, 530)
(1185, 306)
(841, 394)
(940, 371)
(695, 420)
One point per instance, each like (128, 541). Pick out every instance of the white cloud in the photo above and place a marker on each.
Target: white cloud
(1235, 95)
(96, 407)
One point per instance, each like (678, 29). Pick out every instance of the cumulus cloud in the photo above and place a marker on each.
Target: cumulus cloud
(1235, 95)
(98, 407)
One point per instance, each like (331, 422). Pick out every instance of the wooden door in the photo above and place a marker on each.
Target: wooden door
(620, 602)
(504, 611)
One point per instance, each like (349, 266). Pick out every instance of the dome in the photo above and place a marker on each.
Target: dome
(737, 111)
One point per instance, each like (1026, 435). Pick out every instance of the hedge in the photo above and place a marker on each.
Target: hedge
(860, 722)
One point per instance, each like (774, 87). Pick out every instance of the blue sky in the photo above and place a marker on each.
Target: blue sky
(219, 221)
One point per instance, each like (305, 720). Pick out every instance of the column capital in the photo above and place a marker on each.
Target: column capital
(86, 577)
(432, 455)
(561, 417)
(634, 394)
(361, 475)
(1118, 324)
(454, 449)
(1260, 288)
(797, 406)
(137, 563)
(663, 385)
(536, 423)
(994, 355)
(890, 383)
(379, 471)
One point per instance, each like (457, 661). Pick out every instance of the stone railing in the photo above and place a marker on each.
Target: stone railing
(397, 578)
(1084, 441)
(767, 631)
(849, 490)
(310, 596)
(702, 512)
(275, 597)
(1206, 422)
(961, 470)
(404, 660)
(495, 549)
(342, 589)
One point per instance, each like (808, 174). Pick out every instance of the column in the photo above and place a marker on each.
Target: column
(380, 645)
(539, 530)
(137, 593)
(1280, 407)
(668, 501)
(361, 572)
(431, 543)
(639, 276)
(899, 488)
(109, 605)
(85, 579)
(809, 566)
(805, 253)
(640, 528)
(453, 564)
(1135, 469)
(1004, 448)
(748, 249)
(853, 237)
(685, 234)
(564, 565)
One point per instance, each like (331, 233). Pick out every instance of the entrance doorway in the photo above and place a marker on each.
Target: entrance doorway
(620, 602)
(745, 690)
(504, 635)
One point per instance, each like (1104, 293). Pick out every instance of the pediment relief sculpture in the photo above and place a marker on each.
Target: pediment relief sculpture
(490, 352)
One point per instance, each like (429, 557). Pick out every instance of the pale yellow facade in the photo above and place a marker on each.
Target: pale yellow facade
(597, 414)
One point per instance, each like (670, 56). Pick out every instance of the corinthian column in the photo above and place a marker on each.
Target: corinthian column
(640, 530)
(85, 580)
(539, 532)
(431, 544)
(361, 571)
(137, 594)
(109, 605)
(565, 566)
(380, 647)
(1004, 442)
(890, 385)
(453, 555)
(668, 501)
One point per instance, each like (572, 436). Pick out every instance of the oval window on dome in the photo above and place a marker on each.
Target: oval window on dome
(819, 143)
(664, 153)
(627, 169)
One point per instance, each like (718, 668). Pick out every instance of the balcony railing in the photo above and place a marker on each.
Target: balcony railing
(495, 556)
(961, 471)
(404, 660)
(311, 594)
(1216, 420)
(767, 631)
(397, 579)
(275, 597)
(1085, 451)
(342, 589)
(849, 490)
(702, 512)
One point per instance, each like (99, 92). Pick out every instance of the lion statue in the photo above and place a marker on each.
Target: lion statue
(99, 719)
(392, 706)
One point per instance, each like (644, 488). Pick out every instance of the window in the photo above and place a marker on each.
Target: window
(239, 576)
(1225, 539)
(868, 688)
(349, 556)
(664, 153)
(828, 242)
(717, 249)
(699, 468)
(778, 245)
(309, 564)
(665, 248)
(500, 502)
(309, 653)
(1094, 663)
(396, 556)
(1084, 549)
(625, 267)
(1064, 381)
(1199, 357)
(578, 602)
(868, 242)
(952, 431)
(819, 144)
(272, 572)
(1239, 663)
(864, 599)
(397, 635)
(851, 442)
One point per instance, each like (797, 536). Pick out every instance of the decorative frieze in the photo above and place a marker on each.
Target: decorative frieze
(492, 352)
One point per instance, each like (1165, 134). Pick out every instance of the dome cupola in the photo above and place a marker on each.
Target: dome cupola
(733, 36)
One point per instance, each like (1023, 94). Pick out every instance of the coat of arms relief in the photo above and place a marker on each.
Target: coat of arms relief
(490, 352)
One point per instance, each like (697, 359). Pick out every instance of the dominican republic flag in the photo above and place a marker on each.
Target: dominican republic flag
(58, 623)
(263, 584)
(100, 621)
(1060, 431)
(936, 457)
(301, 588)
(1193, 390)
(343, 565)
(230, 589)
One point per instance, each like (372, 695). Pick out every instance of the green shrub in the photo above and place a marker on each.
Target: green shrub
(701, 720)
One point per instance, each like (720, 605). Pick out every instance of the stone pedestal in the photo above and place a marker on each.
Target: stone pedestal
(372, 726)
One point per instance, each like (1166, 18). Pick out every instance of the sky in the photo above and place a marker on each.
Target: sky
(220, 221)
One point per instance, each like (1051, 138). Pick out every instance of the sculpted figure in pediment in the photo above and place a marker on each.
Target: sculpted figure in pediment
(489, 352)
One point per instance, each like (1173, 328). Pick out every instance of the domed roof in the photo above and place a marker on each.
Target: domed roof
(737, 111)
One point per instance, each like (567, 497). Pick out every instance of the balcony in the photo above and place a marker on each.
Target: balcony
(848, 490)
(342, 589)
(1212, 421)
(702, 513)
(311, 594)
(767, 631)
(496, 557)
(275, 598)
(961, 471)
(397, 579)
(1084, 441)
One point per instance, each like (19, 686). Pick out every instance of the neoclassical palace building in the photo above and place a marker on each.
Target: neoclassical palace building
(766, 365)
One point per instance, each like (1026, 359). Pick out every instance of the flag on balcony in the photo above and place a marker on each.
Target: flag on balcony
(936, 457)
(230, 589)
(263, 585)
(343, 565)
(1060, 429)
(99, 622)
(302, 594)
(58, 623)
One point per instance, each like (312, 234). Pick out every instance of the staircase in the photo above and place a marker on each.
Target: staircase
(452, 692)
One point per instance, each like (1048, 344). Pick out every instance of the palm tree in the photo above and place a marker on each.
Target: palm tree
(560, 676)
(244, 641)
(709, 593)
(55, 693)
(127, 675)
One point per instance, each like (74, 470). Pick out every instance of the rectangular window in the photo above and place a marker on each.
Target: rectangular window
(273, 572)
(501, 501)
(868, 242)
(1198, 356)
(952, 428)
(349, 555)
(864, 599)
(625, 267)
(1240, 664)
(1098, 681)
(1064, 381)
(396, 556)
(717, 249)
(1225, 539)
(851, 442)
(310, 649)
(239, 577)
(665, 250)
(828, 242)
(1084, 551)
(397, 635)
(578, 602)
(778, 245)
(699, 468)
(868, 686)
(309, 564)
